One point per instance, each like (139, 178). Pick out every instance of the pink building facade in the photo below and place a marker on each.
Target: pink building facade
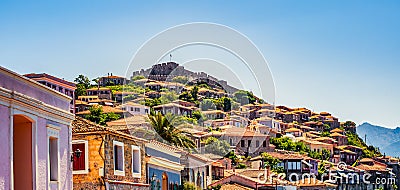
(35, 135)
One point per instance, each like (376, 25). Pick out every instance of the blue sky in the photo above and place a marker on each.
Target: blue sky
(336, 56)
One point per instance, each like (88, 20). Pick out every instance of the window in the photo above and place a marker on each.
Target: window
(230, 141)
(81, 164)
(136, 161)
(249, 143)
(119, 168)
(137, 109)
(298, 167)
(146, 110)
(131, 108)
(242, 143)
(264, 143)
(53, 158)
(257, 143)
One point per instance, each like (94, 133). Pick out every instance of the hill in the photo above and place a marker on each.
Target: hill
(388, 140)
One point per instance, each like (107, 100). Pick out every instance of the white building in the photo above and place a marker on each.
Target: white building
(135, 109)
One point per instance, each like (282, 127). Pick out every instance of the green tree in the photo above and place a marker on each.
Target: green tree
(325, 134)
(194, 92)
(198, 115)
(82, 83)
(207, 104)
(138, 77)
(168, 128)
(180, 79)
(168, 97)
(190, 186)
(244, 97)
(326, 154)
(216, 146)
(271, 162)
(224, 104)
(98, 116)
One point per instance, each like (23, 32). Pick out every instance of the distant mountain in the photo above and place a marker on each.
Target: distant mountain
(388, 140)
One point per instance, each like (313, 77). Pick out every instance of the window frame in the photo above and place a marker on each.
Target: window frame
(139, 173)
(86, 170)
(119, 172)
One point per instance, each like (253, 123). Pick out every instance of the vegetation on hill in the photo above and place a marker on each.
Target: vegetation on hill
(216, 146)
(180, 79)
(368, 151)
(98, 116)
(285, 143)
(138, 77)
(127, 88)
(244, 97)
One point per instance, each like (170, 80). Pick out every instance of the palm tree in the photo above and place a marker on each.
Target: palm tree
(168, 128)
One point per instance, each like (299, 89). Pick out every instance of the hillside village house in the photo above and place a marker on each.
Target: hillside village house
(135, 109)
(292, 163)
(119, 96)
(246, 142)
(34, 135)
(101, 92)
(174, 108)
(110, 79)
(57, 84)
(214, 114)
(109, 159)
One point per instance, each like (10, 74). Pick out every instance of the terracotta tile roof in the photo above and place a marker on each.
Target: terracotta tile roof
(337, 130)
(133, 104)
(80, 97)
(366, 160)
(212, 112)
(106, 109)
(337, 135)
(95, 88)
(78, 102)
(112, 77)
(132, 120)
(173, 105)
(374, 167)
(292, 130)
(80, 125)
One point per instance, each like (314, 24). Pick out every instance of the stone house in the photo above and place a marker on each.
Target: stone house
(109, 159)
(111, 79)
(175, 109)
(247, 142)
(35, 134)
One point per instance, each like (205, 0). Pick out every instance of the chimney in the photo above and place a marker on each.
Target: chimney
(111, 74)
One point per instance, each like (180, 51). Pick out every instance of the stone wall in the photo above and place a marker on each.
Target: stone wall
(92, 180)
(128, 160)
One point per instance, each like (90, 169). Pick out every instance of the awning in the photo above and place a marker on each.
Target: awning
(306, 163)
(108, 103)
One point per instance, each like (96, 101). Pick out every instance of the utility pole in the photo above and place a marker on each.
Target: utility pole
(365, 138)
